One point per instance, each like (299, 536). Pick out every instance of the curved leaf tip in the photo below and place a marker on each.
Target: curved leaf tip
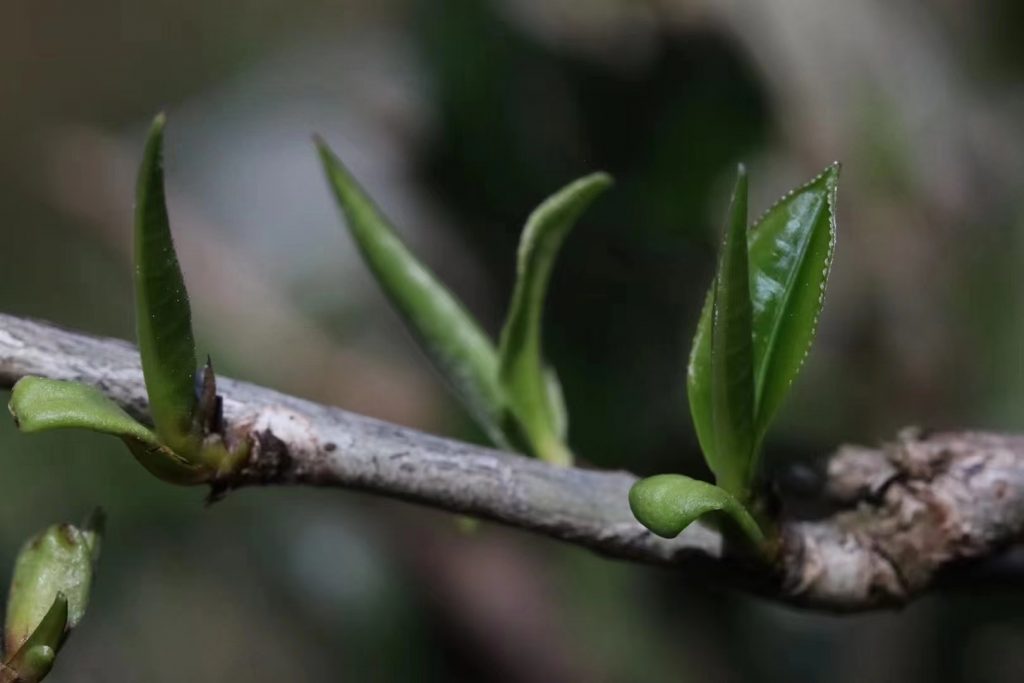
(668, 503)
(529, 385)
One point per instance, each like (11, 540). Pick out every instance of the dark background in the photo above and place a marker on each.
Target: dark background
(460, 116)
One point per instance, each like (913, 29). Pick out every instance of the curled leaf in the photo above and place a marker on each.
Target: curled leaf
(668, 503)
(163, 317)
(451, 338)
(527, 384)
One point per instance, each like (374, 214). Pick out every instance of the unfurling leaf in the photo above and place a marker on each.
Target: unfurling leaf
(789, 253)
(668, 503)
(523, 375)
(451, 338)
(162, 315)
(721, 384)
(48, 596)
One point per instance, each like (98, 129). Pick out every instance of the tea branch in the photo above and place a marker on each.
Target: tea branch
(925, 512)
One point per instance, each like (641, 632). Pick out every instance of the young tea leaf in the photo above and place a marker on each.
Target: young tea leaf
(524, 377)
(720, 381)
(452, 339)
(789, 252)
(791, 249)
(668, 503)
(38, 404)
(162, 315)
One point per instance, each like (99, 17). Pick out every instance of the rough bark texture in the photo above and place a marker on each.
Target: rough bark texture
(902, 518)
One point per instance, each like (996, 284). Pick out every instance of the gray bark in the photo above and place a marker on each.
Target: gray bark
(901, 519)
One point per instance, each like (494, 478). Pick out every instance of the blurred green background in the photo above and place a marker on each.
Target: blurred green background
(460, 116)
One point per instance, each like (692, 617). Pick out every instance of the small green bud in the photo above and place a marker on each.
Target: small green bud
(53, 567)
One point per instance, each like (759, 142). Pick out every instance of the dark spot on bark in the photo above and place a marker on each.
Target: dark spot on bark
(330, 446)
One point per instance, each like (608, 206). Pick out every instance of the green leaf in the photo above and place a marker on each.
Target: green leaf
(789, 253)
(668, 503)
(162, 314)
(521, 366)
(38, 404)
(452, 339)
(721, 382)
(791, 250)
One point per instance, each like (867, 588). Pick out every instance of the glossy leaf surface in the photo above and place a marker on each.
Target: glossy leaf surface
(451, 338)
(527, 385)
(721, 383)
(162, 314)
(668, 503)
(791, 250)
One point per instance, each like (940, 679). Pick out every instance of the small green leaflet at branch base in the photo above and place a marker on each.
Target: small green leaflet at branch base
(668, 503)
(789, 253)
(39, 404)
(162, 315)
(451, 338)
(529, 385)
